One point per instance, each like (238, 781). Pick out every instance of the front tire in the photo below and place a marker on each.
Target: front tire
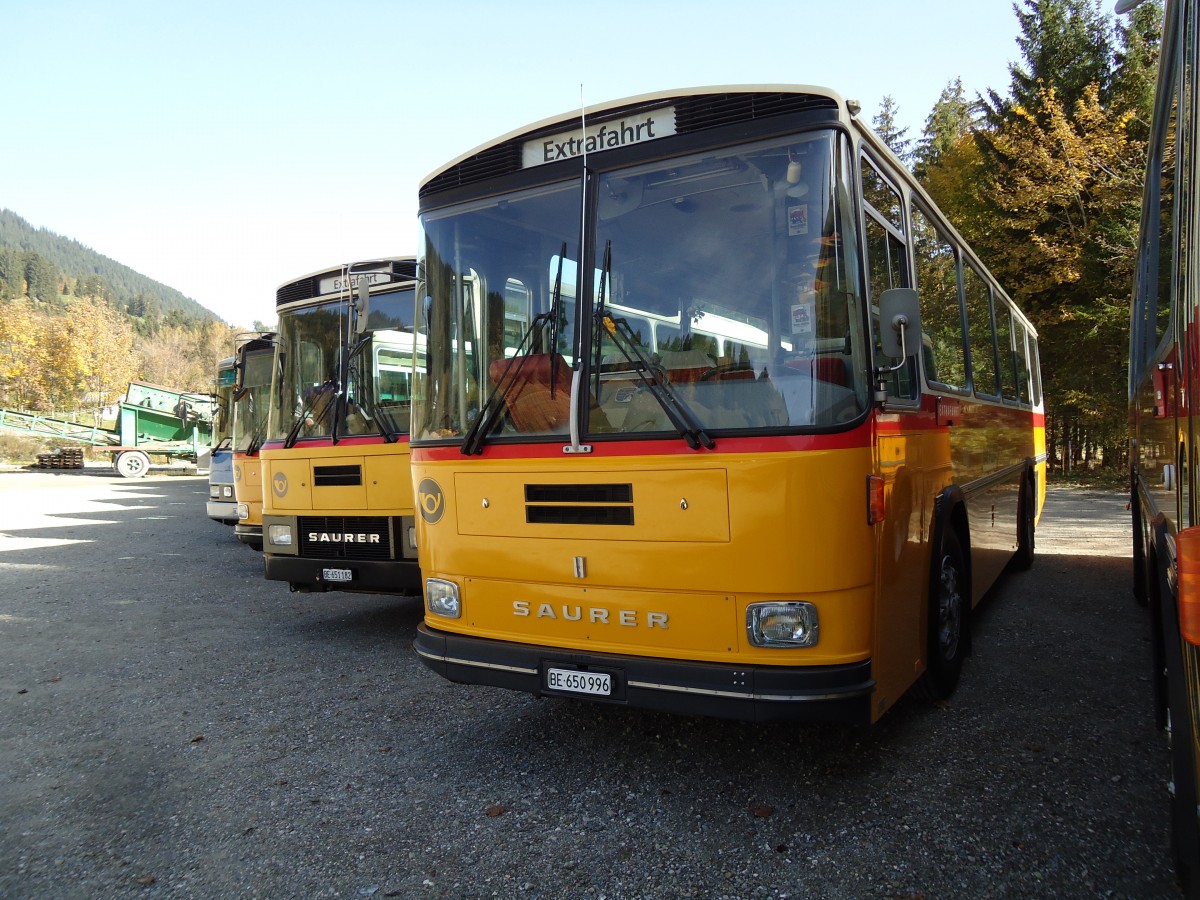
(949, 607)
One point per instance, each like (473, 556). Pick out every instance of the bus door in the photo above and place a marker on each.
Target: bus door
(903, 459)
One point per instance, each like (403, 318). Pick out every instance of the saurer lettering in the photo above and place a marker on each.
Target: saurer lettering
(596, 615)
(333, 538)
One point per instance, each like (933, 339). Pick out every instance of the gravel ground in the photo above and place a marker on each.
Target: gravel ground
(172, 725)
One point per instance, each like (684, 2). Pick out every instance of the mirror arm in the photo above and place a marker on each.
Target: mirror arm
(899, 324)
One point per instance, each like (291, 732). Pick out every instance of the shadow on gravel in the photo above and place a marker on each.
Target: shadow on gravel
(353, 617)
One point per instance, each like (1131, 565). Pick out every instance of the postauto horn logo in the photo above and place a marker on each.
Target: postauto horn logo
(431, 500)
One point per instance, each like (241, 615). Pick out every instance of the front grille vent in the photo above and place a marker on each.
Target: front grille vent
(494, 161)
(579, 504)
(346, 537)
(337, 476)
(301, 289)
(715, 110)
(579, 493)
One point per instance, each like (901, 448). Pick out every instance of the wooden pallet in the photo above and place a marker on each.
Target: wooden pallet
(66, 458)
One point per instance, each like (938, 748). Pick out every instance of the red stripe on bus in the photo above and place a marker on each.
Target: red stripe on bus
(674, 446)
(357, 441)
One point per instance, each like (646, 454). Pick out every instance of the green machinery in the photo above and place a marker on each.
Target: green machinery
(151, 419)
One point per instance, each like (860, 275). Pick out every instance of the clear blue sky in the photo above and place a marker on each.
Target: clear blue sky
(223, 148)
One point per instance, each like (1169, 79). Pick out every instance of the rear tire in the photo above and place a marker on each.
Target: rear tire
(1026, 528)
(949, 607)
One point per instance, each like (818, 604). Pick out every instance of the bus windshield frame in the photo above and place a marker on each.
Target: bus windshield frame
(732, 273)
(331, 382)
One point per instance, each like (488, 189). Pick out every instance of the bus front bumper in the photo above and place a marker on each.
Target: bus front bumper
(365, 576)
(752, 693)
(223, 511)
(251, 535)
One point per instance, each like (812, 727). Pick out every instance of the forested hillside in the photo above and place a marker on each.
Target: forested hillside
(76, 327)
(52, 265)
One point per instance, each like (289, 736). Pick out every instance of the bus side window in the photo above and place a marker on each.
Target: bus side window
(981, 333)
(944, 349)
(1004, 342)
(887, 263)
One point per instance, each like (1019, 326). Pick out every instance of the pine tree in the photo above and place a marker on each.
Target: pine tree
(1066, 45)
(42, 278)
(949, 122)
(884, 124)
(1138, 46)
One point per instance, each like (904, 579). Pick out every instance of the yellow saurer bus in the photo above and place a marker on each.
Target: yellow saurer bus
(1164, 396)
(719, 415)
(251, 403)
(337, 494)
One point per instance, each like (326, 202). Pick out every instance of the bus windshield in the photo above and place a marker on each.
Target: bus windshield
(330, 381)
(724, 292)
(251, 407)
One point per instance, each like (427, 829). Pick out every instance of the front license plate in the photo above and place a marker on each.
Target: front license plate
(597, 684)
(337, 575)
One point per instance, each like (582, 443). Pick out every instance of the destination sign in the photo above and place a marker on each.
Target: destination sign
(646, 126)
(340, 282)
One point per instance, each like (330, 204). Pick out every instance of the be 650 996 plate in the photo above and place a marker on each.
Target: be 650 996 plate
(573, 681)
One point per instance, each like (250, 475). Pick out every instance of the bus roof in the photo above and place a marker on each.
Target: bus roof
(356, 265)
(599, 110)
(309, 287)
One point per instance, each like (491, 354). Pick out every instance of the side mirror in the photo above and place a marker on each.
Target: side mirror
(899, 323)
(362, 305)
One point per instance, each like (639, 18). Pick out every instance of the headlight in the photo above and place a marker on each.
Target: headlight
(214, 492)
(243, 511)
(782, 624)
(442, 598)
(280, 535)
(227, 491)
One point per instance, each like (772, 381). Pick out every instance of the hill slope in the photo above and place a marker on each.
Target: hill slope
(76, 261)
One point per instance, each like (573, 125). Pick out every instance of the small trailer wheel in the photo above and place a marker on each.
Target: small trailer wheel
(132, 464)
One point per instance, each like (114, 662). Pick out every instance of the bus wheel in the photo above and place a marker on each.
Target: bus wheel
(132, 464)
(1025, 528)
(949, 604)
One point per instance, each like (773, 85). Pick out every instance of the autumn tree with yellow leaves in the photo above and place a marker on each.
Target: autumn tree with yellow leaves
(1045, 184)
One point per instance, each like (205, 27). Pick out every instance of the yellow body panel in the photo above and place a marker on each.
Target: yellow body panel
(247, 487)
(292, 488)
(706, 539)
(702, 538)
(686, 505)
(679, 625)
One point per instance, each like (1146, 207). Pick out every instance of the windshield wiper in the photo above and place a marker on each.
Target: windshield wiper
(618, 329)
(486, 420)
(294, 434)
(677, 411)
(368, 404)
